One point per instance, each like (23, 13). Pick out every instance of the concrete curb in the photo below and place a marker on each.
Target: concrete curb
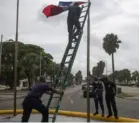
(12, 98)
(128, 98)
(77, 114)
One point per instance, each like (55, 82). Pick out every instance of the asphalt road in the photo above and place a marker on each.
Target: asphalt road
(73, 101)
(126, 108)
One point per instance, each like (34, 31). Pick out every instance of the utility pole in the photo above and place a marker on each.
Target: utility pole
(40, 63)
(88, 64)
(0, 55)
(16, 57)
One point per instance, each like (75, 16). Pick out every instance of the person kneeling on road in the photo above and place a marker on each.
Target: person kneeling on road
(33, 100)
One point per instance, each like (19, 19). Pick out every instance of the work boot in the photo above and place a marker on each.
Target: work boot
(116, 117)
(103, 114)
(95, 113)
(109, 115)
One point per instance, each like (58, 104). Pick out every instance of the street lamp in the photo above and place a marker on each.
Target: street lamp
(88, 64)
(41, 63)
(106, 67)
(16, 55)
(0, 54)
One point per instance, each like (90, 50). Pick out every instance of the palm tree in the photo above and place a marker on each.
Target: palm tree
(135, 76)
(110, 45)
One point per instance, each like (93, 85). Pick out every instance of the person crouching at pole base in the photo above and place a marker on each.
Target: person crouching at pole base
(33, 100)
(73, 20)
(110, 93)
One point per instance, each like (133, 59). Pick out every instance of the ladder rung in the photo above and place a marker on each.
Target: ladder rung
(74, 41)
(72, 47)
(67, 62)
(56, 97)
(85, 6)
(82, 16)
(52, 107)
(69, 55)
(83, 11)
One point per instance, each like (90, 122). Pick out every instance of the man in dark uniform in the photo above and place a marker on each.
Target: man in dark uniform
(73, 20)
(97, 95)
(33, 100)
(110, 89)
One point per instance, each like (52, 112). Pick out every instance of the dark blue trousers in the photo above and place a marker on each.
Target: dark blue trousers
(30, 103)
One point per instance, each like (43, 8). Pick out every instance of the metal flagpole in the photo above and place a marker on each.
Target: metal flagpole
(0, 56)
(106, 68)
(88, 65)
(16, 54)
(40, 63)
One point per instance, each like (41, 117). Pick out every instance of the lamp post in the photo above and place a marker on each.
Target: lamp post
(16, 55)
(40, 63)
(88, 64)
(0, 55)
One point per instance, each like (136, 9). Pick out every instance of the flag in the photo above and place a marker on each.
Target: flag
(52, 10)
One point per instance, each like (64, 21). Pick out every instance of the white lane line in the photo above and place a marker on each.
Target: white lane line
(71, 101)
(69, 97)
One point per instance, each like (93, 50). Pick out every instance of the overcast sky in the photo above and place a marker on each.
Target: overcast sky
(107, 16)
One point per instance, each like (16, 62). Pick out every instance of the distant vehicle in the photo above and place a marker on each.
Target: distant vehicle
(83, 85)
(85, 91)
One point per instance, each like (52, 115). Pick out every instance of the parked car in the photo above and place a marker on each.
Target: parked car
(83, 85)
(90, 91)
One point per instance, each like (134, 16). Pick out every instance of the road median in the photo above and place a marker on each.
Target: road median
(77, 114)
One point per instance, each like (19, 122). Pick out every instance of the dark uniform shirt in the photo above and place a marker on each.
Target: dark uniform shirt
(74, 13)
(38, 90)
(110, 88)
(97, 88)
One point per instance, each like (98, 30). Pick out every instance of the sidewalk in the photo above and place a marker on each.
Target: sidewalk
(21, 94)
(8, 95)
(134, 91)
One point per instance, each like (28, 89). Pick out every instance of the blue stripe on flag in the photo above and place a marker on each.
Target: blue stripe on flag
(65, 3)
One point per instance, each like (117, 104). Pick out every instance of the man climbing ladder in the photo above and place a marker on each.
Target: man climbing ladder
(73, 20)
(68, 58)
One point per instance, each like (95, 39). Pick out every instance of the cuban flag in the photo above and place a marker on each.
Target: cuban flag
(52, 10)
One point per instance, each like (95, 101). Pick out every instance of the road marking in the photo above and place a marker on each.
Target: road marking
(71, 101)
(69, 97)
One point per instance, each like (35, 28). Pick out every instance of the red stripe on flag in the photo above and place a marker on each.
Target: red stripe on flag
(52, 10)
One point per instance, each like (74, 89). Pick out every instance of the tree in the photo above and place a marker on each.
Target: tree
(78, 77)
(27, 53)
(8, 61)
(110, 45)
(70, 79)
(135, 76)
(94, 71)
(99, 69)
(122, 75)
(30, 63)
(116, 74)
